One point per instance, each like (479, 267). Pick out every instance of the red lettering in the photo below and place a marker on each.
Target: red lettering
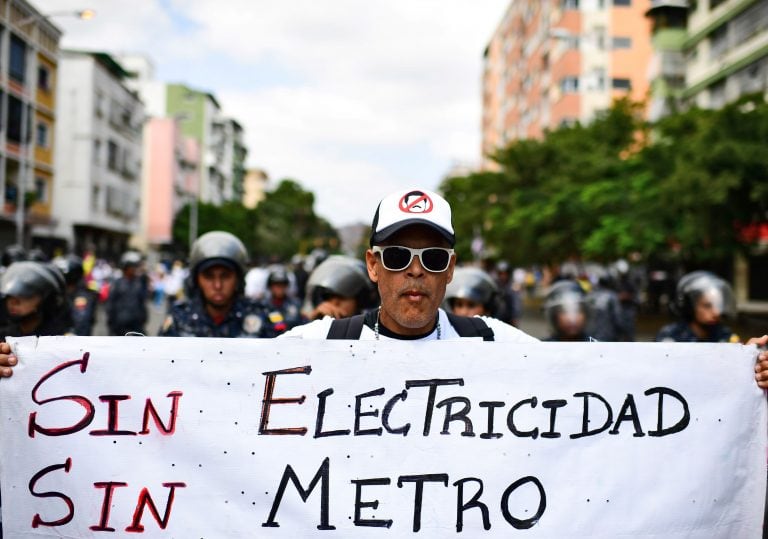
(145, 500)
(79, 399)
(112, 417)
(37, 519)
(106, 505)
(149, 409)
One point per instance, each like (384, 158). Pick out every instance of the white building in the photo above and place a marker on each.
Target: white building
(98, 154)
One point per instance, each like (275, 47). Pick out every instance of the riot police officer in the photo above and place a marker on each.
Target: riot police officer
(127, 302)
(216, 305)
(606, 322)
(339, 287)
(473, 292)
(284, 311)
(565, 307)
(701, 301)
(34, 300)
(82, 300)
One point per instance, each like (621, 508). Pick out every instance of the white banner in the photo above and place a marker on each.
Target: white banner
(225, 438)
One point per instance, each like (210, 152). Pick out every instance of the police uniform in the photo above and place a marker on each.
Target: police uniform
(83, 306)
(127, 307)
(682, 332)
(284, 316)
(189, 318)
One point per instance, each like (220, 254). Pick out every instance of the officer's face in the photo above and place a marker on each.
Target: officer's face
(410, 298)
(467, 307)
(278, 290)
(708, 308)
(19, 306)
(218, 285)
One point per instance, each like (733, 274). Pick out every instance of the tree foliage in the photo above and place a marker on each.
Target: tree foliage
(679, 189)
(283, 224)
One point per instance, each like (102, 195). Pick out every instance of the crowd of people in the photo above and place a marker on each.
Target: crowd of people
(409, 287)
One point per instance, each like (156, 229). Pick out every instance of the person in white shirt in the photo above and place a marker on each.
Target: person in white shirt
(411, 260)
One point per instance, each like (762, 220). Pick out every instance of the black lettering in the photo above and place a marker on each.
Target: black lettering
(461, 415)
(269, 389)
(491, 405)
(419, 480)
(388, 410)
(628, 412)
(585, 416)
(37, 521)
(533, 433)
(358, 414)
(552, 405)
(373, 523)
(321, 414)
(517, 523)
(322, 476)
(474, 502)
(432, 385)
(677, 427)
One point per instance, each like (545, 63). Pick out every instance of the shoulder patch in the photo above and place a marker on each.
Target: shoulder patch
(252, 323)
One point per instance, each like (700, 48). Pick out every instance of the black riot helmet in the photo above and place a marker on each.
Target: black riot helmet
(218, 248)
(27, 279)
(474, 284)
(130, 258)
(278, 276)
(341, 276)
(703, 284)
(566, 297)
(71, 266)
(13, 253)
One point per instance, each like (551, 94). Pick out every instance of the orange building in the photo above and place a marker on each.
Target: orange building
(555, 62)
(29, 47)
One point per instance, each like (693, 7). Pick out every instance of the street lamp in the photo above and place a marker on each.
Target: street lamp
(84, 14)
(24, 168)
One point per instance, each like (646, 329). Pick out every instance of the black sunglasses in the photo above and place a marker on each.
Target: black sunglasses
(397, 257)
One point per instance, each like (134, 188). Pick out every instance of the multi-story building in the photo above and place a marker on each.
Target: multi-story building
(551, 63)
(254, 187)
(29, 47)
(98, 154)
(726, 52)
(666, 72)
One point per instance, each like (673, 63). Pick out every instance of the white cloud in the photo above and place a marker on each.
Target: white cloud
(374, 79)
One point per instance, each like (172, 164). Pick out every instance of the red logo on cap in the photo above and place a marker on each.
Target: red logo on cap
(416, 202)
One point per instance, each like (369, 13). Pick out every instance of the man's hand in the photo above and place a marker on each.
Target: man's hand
(761, 368)
(8, 360)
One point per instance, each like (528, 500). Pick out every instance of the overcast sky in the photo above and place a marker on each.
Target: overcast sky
(353, 99)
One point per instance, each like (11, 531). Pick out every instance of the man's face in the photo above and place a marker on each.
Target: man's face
(709, 308)
(410, 298)
(278, 290)
(218, 285)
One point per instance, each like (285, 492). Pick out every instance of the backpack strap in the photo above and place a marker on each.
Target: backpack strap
(346, 328)
(471, 326)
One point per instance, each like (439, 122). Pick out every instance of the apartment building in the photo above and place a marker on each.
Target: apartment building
(726, 51)
(98, 155)
(555, 62)
(29, 47)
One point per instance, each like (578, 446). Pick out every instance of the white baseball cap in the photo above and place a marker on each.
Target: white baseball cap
(412, 207)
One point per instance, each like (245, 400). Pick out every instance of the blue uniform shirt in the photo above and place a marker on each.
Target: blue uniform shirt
(247, 318)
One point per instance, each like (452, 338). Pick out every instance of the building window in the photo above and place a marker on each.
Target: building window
(622, 2)
(621, 84)
(112, 156)
(14, 119)
(44, 78)
(622, 42)
(97, 151)
(569, 84)
(18, 65)
(41, 189)
(569, 4)
(41, 135)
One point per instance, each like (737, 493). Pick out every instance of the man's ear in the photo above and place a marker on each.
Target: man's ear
(372, 264)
